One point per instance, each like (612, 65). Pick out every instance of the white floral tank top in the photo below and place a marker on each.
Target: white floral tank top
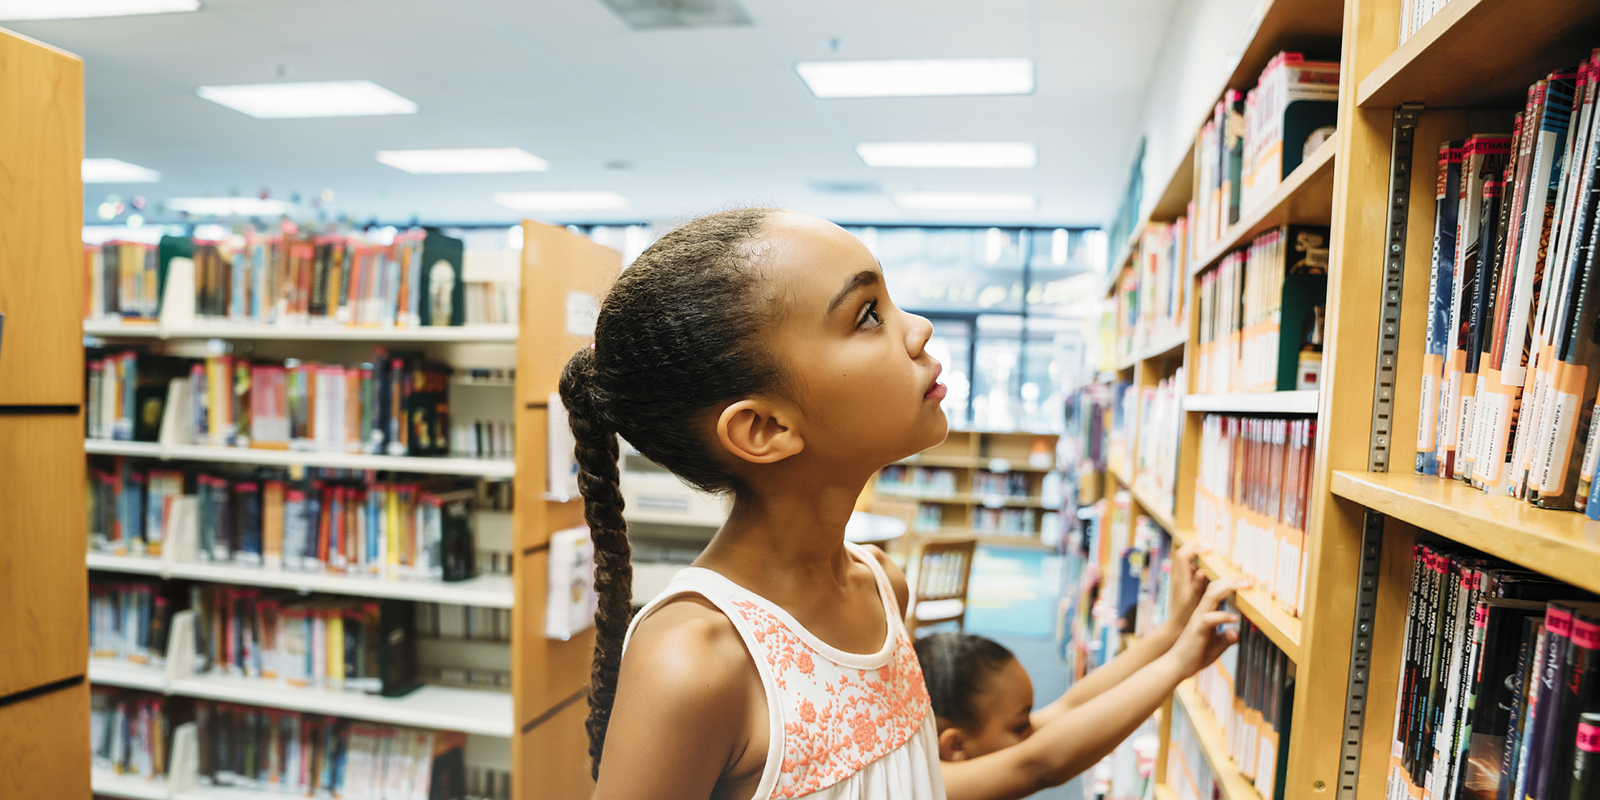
(843, 726)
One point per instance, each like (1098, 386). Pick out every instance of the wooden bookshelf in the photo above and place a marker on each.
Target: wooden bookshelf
(1214, 744)
(44, 703)
(1478, 52)
(966, 453)
(1283, 628)
(1304, 198)
(1152, 507)
(1562, 544)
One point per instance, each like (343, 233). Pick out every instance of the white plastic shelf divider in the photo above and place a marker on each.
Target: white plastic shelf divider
(484, 591)
(480, 467)
(127, 675)
(115, 329)
(110, 784)
(436, 707)
(1304, 402)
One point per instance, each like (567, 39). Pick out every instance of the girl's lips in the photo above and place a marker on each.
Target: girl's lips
(937, 393)
(935, 387)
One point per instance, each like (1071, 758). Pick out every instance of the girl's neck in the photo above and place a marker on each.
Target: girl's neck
(794, 529)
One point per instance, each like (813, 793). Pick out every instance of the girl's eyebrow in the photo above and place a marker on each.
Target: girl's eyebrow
(865, 277)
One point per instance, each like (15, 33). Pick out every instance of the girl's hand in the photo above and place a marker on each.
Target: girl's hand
(1200, 643)
(1188, 583)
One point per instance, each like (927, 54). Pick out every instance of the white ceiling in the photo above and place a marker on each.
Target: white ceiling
(707, 117)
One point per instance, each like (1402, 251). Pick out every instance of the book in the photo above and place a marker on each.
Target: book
(1440, 284)
(1260, 314)
(130, 732)
(1249, 691)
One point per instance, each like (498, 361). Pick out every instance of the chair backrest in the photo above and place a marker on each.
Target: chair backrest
(943, 565)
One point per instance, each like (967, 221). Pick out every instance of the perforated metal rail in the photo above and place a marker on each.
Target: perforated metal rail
(1380, 445)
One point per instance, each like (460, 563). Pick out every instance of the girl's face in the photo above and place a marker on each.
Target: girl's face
(1005, 717)
(865, 388)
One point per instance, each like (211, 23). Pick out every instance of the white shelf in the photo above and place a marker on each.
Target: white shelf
(127, 675)
(484, 591)
(1254, 403)
(111, 447)
(115, 329)
(487, 713)
(481, 467)
(132, 565)
(110, 784)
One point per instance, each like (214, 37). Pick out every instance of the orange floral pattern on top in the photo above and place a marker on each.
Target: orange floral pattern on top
(840, 718)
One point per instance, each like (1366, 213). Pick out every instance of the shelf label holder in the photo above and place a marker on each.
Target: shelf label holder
(1380, 445)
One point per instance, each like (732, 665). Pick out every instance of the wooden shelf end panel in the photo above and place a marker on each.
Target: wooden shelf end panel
(41, 213)
(44, 745)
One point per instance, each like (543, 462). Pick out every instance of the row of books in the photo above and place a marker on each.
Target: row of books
(1164, 253)
(1509, 374)
(1120, 436)
(129, 620)
(396, 405)
(1005, 484)
(335, 643)
(292, 278)
(1498, 695)
(450, 621)
(483, 439)
(1416, 13)
(1004, 521)
(1257, 138)
(917, 480)
(1160, 431)
(1251, 499)
(1250, 692)
(129, 732)
(1146, 568)
(255, 517)
(311, 755)
(1261, 314)
(1189, 774)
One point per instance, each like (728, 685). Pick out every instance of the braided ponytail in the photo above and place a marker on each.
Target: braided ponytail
(596, 454)
(678, 333)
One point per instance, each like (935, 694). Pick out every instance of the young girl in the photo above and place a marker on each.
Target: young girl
(756, 352)
(996, 747)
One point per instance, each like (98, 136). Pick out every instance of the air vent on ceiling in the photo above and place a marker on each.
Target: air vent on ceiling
(650, 14)
(846, 187)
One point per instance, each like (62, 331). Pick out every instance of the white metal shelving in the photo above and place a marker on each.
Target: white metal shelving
(476, 467)
(110, 784)
(116, 329)
(485, 591)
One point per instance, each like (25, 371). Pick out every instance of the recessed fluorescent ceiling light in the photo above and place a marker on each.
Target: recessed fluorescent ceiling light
(965, 201)
(997, 155)
(229, 206)
(317, 99)
(925, 78)
(561, 201)
(80, 9)
(110, 170)
(485, 159)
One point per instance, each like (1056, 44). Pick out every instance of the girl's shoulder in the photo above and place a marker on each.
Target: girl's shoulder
(895, 575)
(689, 635)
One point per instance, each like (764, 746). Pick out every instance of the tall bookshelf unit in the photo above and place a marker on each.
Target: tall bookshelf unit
(536, 726)
(44, 702)
(1469, 67)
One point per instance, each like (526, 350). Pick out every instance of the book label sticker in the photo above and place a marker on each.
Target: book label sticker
(1588, 737)
(1432, 367)
(1586, 634)
(1449, 400)
(1566, 401)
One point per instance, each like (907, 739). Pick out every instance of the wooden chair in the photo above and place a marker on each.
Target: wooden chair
(940, 567)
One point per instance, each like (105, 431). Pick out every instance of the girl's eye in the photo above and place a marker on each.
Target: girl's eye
(870, 318)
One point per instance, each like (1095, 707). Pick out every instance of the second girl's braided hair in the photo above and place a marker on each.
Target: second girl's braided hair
(678, 333)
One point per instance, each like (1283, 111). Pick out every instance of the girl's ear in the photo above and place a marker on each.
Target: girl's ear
(951, 742)
(759, 431)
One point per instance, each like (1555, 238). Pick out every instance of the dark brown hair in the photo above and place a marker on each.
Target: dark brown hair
(958, 667)
(676, 335)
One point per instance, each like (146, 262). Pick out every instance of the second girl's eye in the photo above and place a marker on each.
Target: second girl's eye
(869, 316)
